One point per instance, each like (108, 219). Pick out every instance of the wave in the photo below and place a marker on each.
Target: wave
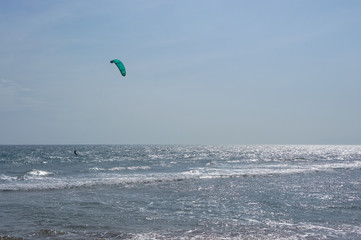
(45, 180)
(268, 170)
(132, 168)
(29, 175)
(275, 230)
(315, 231)
(68, 183)
(139, 168)
(37, 173)
(5, 178)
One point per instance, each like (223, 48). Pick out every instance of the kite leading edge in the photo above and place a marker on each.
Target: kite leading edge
(120, 66)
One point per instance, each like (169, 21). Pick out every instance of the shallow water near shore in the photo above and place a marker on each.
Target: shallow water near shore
(172, 192)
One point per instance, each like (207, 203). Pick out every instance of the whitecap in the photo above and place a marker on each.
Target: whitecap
(96, 169)
(117, 168)
(4, 177)
(138, 167)
(35, 172)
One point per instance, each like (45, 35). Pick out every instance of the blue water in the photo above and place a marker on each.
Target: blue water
(180, 192)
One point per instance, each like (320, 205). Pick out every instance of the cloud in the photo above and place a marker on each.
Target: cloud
(16, 97)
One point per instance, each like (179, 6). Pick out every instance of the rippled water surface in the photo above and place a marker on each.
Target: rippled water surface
(191, 192)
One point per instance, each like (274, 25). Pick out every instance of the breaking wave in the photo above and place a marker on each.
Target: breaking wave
(46, 180)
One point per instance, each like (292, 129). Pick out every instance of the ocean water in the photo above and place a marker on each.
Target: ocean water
(180, 192)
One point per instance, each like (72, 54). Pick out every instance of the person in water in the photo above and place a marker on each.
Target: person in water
(75, 152)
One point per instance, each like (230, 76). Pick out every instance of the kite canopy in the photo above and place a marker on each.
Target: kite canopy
(120, 66)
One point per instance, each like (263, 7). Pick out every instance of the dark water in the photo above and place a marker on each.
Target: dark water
(180, 192)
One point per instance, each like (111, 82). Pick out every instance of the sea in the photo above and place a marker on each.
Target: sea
(180, 192)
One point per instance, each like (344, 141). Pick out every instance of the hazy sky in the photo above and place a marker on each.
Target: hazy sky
(198, 72)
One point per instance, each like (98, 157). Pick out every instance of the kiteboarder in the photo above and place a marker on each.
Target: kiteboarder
(75, 153)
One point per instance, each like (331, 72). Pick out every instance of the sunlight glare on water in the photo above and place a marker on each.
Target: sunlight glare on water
(154, 191)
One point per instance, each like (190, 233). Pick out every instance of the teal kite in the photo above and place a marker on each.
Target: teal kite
(120, 65)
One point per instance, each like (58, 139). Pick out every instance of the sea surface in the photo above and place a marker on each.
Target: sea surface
(180, 192)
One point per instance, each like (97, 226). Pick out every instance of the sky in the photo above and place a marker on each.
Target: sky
(198, 72)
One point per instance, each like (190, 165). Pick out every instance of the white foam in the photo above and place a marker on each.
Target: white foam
(100, 179)
(267, 169)
(41, 180)
(35, 172)
(138, 167)
(7, 178)
(314, 230)
(95, 169)
(117, 168)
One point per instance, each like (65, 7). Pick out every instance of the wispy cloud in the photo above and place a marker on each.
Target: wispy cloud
(16, 97)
